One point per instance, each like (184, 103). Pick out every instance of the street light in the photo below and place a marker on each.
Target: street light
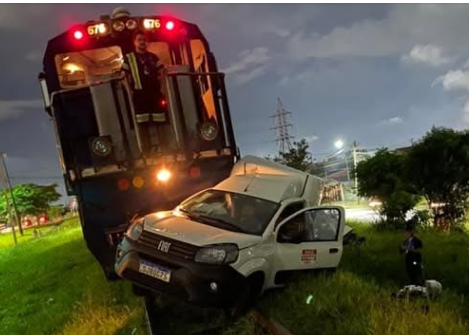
(339, 144)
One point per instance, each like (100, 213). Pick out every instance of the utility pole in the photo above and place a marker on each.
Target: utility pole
(354, 148)
(7, 183)
(7, 202)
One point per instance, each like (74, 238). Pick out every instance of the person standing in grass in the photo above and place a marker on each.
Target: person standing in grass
(412, 249)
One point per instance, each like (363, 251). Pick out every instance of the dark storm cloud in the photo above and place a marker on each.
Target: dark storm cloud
(360, 72)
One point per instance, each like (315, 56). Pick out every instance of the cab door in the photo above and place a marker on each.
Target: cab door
(310, 239)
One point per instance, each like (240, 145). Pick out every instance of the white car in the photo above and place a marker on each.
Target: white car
(225, 245)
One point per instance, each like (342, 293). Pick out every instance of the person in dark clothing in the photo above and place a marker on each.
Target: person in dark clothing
(412, 249)
(145, 71)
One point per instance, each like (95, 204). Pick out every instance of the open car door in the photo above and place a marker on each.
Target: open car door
(310, 239)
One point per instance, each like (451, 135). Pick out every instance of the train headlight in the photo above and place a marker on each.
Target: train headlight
(118, 25)
(209, 131)
(101, 147)
(163, 175)
(131, 24)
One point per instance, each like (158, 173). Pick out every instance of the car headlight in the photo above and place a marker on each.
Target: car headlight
(135, 230)
(218, 254)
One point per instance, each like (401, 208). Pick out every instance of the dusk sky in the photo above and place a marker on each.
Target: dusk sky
(378, 74)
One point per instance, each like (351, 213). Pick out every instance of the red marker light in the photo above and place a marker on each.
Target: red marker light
(78, 34)
(169, 25)
(163, 102)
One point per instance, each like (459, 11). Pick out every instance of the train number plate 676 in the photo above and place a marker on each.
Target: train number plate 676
(155, 271)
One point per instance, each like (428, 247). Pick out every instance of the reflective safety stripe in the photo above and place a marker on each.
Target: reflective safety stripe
(143, 117)
(159, 64)
(134, 69)
(160, 117)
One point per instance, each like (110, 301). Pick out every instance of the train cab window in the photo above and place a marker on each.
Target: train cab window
(161, 49)
(84, 67)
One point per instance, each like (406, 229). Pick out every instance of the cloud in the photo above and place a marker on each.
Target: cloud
(395, 120)
(250, 64)
(453, 80)
(429, 54)
(404, 27)
(456, 80)
(14, 108)
(14, 16)
(311, 138)
(247, 59)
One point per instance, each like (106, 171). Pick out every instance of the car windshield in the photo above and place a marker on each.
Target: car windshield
(230, 211)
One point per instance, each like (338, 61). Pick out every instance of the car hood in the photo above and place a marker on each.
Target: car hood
(183, 229)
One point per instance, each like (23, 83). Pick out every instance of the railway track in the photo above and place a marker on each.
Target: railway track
(154, 318)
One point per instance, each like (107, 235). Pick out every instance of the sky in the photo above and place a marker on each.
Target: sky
(381, 75)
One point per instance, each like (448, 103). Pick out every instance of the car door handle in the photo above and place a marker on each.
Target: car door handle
(333, 250)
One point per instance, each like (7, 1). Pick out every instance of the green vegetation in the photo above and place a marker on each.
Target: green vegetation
(298, 157)
(52, 285)
(433, 169)
(381, 177)
(30, 199)
(357, 299)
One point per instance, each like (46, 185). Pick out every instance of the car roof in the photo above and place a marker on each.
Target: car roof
(262, 178)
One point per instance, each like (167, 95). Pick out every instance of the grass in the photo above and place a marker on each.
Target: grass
(52, 285)
(357, 299)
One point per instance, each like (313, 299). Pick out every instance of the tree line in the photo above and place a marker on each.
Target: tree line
(31, 199)
(435, 169)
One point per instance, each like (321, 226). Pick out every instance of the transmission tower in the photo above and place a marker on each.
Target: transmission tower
(282, 127)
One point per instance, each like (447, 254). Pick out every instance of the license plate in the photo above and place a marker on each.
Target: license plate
(155, 271)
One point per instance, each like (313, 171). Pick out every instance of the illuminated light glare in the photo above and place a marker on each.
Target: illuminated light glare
(163, 175)
(375, 203)
(339, 144)
(102, 28)
(309, 299)
(138, 182)
(194, 172)
(71, 67)
(131, 24)
(160, 215)
(118, 25)
(78, 35)
(170, 25)
(123, 184)
(163, 103)
(147, 24)
(66, 58)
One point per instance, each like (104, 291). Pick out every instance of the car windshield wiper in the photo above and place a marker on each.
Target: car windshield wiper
(218, 220)
(206, 218)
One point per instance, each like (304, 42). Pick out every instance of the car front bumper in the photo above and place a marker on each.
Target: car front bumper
(190, 281)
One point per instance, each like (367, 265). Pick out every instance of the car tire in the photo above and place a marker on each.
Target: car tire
(139, 291)
(247, 298)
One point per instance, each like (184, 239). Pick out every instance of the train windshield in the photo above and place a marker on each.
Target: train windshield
(85, 67)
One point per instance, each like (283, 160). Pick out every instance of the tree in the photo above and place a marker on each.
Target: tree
(438, 169)
(297, 157)
(31, 199)
(382, 177)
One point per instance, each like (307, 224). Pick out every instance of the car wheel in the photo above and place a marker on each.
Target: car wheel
(139, 291)
(247, 298)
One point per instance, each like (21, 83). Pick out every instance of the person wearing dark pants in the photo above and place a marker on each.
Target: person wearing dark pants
(412, 249)
(145, 71)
